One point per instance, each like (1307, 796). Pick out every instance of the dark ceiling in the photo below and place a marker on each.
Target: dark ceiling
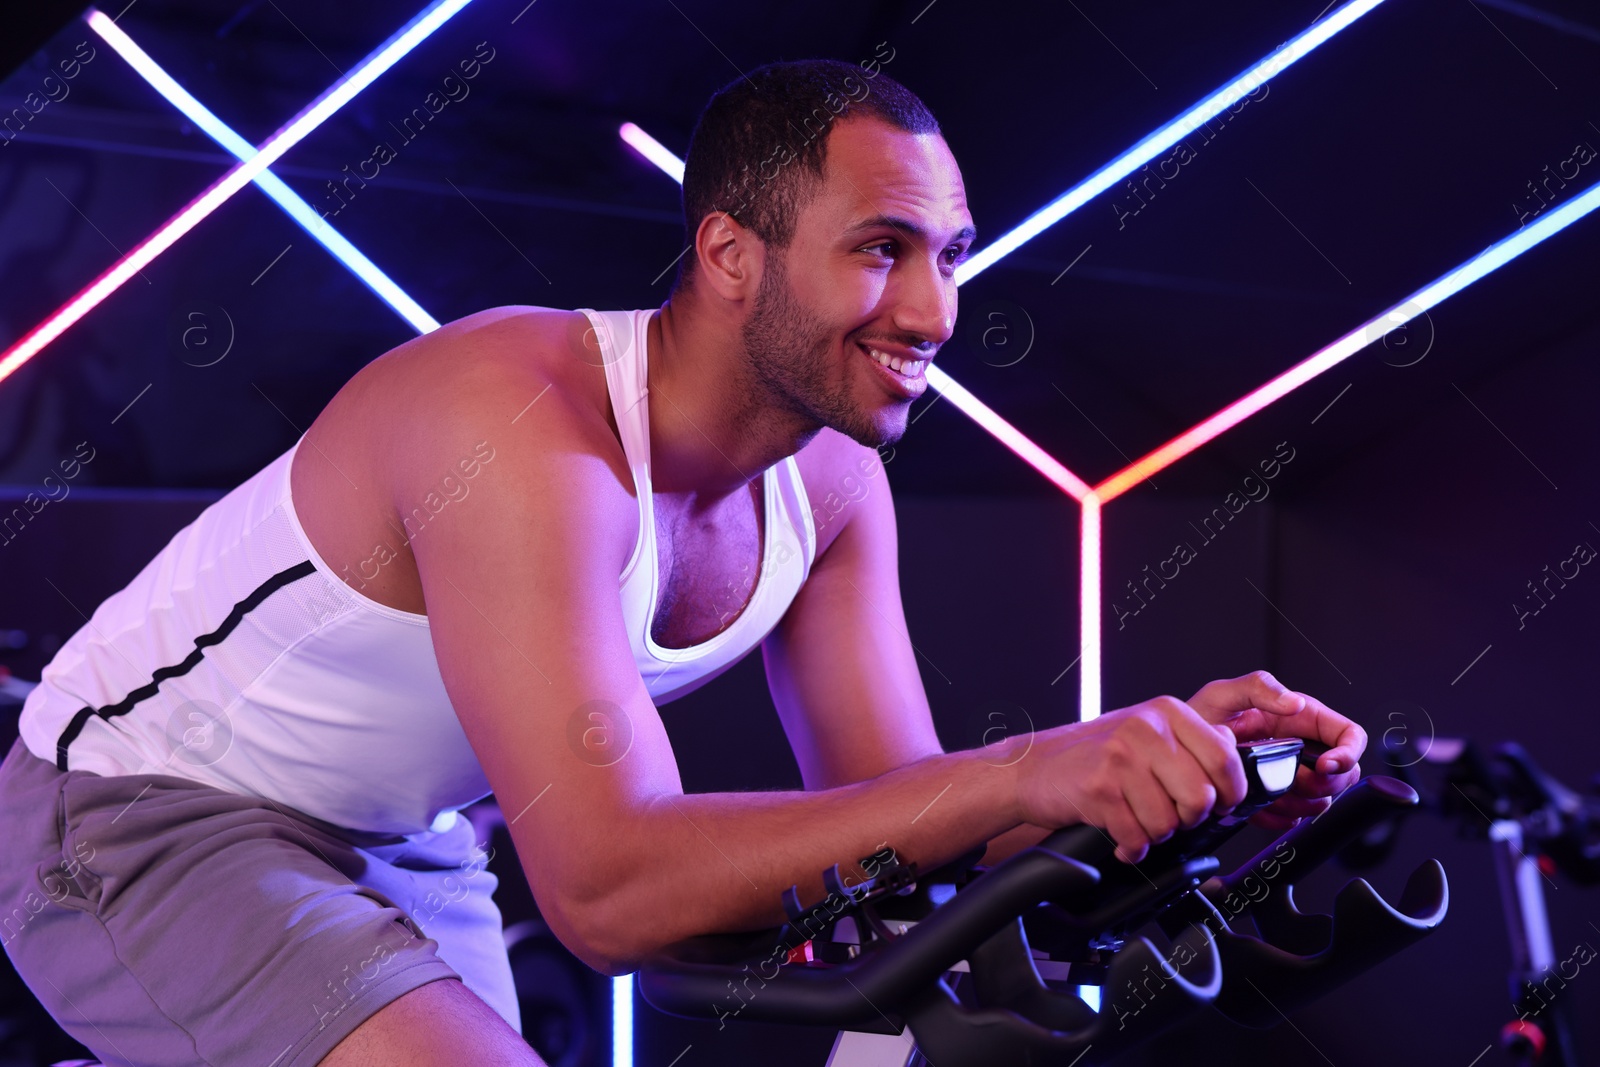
(1393, 153)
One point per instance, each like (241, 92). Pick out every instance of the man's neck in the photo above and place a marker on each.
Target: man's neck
(713, 427)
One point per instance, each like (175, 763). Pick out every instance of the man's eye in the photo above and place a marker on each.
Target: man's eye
(889, 245)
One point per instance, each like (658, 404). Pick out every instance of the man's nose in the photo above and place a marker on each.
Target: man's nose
(927, 305)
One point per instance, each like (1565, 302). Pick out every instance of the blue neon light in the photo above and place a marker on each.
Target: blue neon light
(286, 198)
(1281, 59)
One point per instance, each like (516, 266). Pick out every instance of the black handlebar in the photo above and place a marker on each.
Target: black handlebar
(1479, 787)
(1073, 898)
(844, 995)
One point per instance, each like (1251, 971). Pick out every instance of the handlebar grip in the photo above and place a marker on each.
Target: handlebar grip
(857, 994)
(1314, 841)
(1269, 767)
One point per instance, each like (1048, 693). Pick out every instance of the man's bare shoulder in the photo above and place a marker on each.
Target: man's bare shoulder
(506, 382)
(495, 367)
(531, 377)
(499, 345)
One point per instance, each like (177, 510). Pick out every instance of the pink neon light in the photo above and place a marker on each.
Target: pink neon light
(1089, 610)
(653, 150)
(237, 177)
(113, 277)
(1231, 416)
(1007, 434)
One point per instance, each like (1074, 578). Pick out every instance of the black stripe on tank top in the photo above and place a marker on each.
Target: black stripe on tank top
(192, 660)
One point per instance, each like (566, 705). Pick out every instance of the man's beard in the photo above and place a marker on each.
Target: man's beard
(787, 347)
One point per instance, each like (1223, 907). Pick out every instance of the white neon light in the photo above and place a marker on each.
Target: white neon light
(653, 150)
(1285, 56)
(242, 173)
(1007, 434)
(286, 198)
(344, 90)
(1375, 329)
(1089, 609)
(622, 1021)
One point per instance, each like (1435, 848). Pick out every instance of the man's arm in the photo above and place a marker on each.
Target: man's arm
(521, 587)
(840, 665)
(843, 673)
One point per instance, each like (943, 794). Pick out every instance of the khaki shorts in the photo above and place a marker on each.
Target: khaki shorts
(163, 922)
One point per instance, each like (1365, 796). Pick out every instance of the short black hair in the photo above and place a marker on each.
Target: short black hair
(758, 148)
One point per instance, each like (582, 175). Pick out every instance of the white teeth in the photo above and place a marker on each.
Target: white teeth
(908, 367)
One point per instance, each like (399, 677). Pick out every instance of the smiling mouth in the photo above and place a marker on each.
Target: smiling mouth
(906, 368)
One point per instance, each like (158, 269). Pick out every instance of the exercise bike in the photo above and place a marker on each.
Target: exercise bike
(1537, 828)
(966, 965)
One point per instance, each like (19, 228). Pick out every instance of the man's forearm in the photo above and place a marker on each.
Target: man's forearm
(1014, 840)
(714, 862)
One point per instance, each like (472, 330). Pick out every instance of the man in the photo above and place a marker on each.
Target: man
(242, 774)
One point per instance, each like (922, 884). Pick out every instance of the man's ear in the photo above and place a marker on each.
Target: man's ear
(731, 256)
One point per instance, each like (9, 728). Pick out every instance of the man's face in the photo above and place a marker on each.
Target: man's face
(871, 266)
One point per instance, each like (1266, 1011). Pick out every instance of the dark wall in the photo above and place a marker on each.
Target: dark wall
(65, 548)
(1408, 564)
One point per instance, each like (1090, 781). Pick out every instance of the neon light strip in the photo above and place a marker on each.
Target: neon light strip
(286, 198)
(1089, 610)
(313, 115)
(1007, 434)
(1448, 284)
(1454, 281)
(622, 1021)
(653, 150)
(1281, 59)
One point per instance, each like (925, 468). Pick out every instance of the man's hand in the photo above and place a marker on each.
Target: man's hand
(1257, 705)
(1141, 772)
(1138, 773)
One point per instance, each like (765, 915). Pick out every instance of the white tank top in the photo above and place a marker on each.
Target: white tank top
(237, 657)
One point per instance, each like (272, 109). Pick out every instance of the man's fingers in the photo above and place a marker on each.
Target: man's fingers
(1221, 700)
(1192, 793)
(1148, 801)
(1129, 835)
(1349, 741)
(1309, 783)
(1216, 754)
